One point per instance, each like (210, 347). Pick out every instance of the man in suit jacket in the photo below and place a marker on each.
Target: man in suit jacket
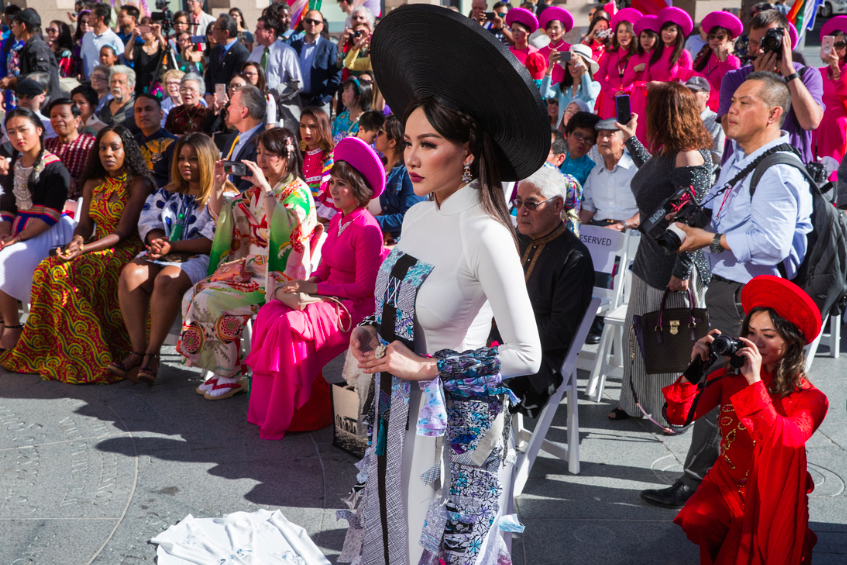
(226, 58)
(247, 116)
(321, 76)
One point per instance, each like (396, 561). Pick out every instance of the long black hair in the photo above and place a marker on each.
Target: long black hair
(459, 127)
(28, 114)
(283, 143)
(65, 40)
(134, 164)
(660, 45)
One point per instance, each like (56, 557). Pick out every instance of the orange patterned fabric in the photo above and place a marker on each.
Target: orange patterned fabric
(75, 328)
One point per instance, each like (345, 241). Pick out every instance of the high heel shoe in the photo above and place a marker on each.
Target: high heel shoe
(145, 374)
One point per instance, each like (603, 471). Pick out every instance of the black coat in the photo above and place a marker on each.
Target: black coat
(248, 152)
(221, 72)
(37, 57)
(50, 191)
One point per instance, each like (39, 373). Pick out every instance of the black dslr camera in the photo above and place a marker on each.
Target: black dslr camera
(164, 16)
(772, 41)
(725, 346)
(683, 204)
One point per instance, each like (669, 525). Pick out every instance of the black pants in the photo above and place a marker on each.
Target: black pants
(723, 300)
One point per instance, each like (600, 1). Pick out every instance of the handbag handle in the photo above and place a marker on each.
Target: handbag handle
(692, 324)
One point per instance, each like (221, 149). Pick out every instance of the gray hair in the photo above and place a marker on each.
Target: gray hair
(774, 92)
(255, 102)
(368, 15)
(193, 77)
(549, 181)
(103, 69)
(123, 70)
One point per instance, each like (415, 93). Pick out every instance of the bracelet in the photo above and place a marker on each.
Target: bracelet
(791, 77)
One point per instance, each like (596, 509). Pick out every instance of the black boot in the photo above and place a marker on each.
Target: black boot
(675, 496)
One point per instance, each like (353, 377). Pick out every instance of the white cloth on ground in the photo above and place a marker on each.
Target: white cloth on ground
(241, 538)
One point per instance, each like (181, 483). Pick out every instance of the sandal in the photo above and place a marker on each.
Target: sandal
(619, 414)
(145, 374)
(120, 369)
(5, 327)
(234, 388)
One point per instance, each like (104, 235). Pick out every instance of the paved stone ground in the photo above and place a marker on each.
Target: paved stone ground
(88, 474)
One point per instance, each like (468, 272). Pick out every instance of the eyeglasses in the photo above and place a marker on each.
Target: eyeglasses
(52, 30)
(840, 44)
(530, 205)
(249, 73)
(380, 132)
(234, 87)
(720, 36)
(185, 90)
(311, 21)
(97, 77)
(172, 83)
(581, 138)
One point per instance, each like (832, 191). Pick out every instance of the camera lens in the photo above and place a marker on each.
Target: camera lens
(725, 345)
(669, 241)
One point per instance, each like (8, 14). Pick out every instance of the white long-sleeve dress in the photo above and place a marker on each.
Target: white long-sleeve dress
(476, 275)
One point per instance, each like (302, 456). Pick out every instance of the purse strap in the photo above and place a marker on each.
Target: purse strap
(339, 306)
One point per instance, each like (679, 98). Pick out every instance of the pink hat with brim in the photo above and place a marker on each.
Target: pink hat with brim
(646, 23)
(630, 15)
(724, 20)
(555, 13)
(792, 32)
(678, 16)
(838, 23)
(524, 17)
(361, 157)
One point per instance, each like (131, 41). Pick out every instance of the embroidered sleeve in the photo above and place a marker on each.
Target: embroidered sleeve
(472, 374)
(369, 321)
(805, 412)
(637, 151)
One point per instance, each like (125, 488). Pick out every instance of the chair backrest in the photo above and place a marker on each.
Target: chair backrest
(605, 245)
(72, 208)
(569, 364)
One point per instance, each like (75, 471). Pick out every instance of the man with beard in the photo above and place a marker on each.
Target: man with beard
(120, 111)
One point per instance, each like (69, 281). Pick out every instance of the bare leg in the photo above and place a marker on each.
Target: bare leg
(11, 317)
(134, 289)
(165, 302)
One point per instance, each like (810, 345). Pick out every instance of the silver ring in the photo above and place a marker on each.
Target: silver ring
(379, 352)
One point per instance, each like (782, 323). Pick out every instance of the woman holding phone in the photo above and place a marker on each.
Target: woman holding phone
(646, 29)
(830, 138)
(144, 49)
(613, 64)
(577, 84)
(716, 59)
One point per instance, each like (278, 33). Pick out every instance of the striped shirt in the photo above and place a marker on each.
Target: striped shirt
(74, 155)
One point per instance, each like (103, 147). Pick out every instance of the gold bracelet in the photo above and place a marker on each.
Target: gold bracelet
(81, 247)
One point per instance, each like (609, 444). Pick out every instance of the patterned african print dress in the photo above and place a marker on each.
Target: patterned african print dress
(75, 328)
(215, 313)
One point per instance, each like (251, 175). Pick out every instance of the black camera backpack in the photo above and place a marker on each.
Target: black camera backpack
(823, 272)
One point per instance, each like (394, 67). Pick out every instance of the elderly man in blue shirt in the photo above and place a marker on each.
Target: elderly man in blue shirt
(748, 236)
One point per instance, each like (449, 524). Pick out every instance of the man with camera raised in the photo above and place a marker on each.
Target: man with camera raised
(751, 233)
(771, 40)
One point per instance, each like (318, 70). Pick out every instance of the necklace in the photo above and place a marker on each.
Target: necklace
(342, 226)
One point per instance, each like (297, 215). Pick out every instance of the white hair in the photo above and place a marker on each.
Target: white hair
(123, 70)
(193, 77)
(549, 181)
(368, 15)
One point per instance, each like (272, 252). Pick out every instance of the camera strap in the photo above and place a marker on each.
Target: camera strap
(701, 367)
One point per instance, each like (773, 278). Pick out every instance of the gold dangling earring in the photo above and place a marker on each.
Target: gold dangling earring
(303, 146)
(466, 174)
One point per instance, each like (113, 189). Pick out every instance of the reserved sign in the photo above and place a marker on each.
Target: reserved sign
(603, 244)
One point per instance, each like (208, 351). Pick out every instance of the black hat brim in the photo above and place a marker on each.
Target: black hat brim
(421, 50)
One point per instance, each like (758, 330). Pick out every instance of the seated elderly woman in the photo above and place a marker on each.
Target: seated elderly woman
(31, 220)
(192, 114)
(263, 236)
(297, 334)
(768, 411)
(177, 229)
(74, 329)
(559, 278)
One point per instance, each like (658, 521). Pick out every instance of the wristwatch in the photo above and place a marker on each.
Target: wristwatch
(791, 77)
(716, 246)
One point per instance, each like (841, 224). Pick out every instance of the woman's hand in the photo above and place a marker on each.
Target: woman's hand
(220, 103)
(158, 248)
(553, 59)
(400, 362)
(639, 68)
(703, 346)
(258, 178)
(299, 286)
(629, 128)
(8, 240)
(723, 50)
(678, 285)
(72, 250)
(362, 340)
(219, 177)
(361, 42)
(752, 368)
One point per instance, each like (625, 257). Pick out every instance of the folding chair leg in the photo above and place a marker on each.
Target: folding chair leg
(573, 427)
(598, 375)
(835, 336)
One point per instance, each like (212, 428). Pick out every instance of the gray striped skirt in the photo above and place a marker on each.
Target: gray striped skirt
(643, 299)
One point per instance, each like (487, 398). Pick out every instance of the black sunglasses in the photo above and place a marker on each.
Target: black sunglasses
(311, 21)
(840, 44)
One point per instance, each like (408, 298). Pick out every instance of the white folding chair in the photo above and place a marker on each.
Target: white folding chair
(606, 245)
(72, 207)
(529, 443)
(831, 339)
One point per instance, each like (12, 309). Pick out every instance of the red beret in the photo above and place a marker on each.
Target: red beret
(786, 299)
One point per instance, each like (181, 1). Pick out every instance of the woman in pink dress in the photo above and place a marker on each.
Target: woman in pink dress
(614, 62)
(647, 31)
(715, 59)
(831, 136)
(556, 22)
(290, 347)
(596, 36)
(670, 60)
(522, 23)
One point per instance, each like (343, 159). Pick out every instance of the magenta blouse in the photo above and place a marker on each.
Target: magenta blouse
(664, 72)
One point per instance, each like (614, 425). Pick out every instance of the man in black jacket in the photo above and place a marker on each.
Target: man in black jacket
(36, 55)
(559, 278)
(226, 58)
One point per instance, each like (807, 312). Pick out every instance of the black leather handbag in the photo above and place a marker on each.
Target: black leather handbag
(667, 336)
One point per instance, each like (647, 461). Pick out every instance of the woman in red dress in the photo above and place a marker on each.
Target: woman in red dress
(752, 506)
(715, 59)
(522, 23)
(614, 61)
(555, 22)
(646, 30)
(670, 60)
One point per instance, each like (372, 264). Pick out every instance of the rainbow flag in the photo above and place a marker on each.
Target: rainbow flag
(802, 15)
(299, 9)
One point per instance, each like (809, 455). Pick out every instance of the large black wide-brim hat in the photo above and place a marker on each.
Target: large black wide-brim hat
(420, 51)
